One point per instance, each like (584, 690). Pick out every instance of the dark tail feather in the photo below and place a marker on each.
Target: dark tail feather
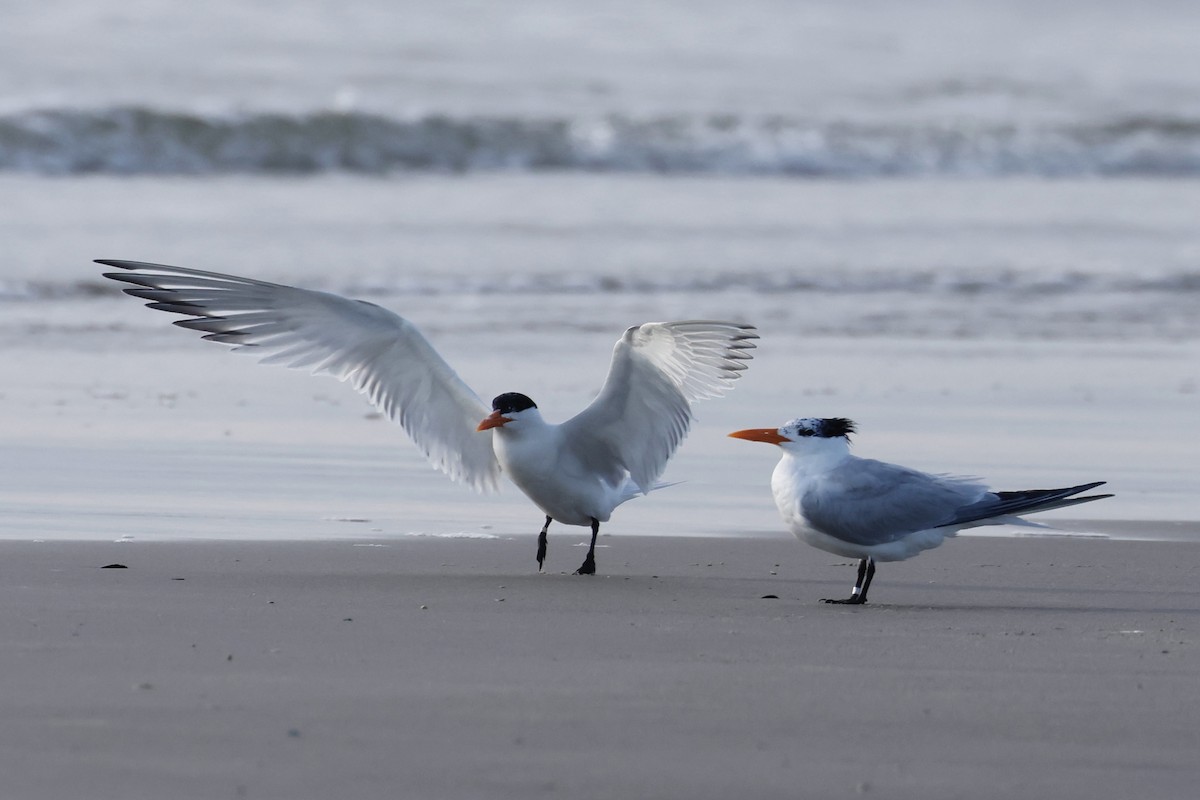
(1006, 504)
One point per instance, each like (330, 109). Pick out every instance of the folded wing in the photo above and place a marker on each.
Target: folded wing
(380, 353)
(643, 411)
(868, 502)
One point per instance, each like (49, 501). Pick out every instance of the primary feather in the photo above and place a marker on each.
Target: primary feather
(380, 353)
(643, 411)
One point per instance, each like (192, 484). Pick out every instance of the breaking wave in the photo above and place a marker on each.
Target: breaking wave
(931, 282)
(138, 140)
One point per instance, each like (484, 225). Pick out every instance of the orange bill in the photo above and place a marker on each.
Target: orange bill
(768, 435)
(493, 420)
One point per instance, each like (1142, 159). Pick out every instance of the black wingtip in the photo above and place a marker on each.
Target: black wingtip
(1028, 501)
(130, 277)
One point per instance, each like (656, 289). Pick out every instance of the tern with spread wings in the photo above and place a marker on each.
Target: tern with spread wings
(576, 472)
(875, 511)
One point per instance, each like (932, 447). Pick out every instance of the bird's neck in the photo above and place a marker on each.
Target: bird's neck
(531, 428)
(816, 454)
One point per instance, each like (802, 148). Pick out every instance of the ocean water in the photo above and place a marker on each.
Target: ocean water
(972, 226)
(871, 89)
(974, 169)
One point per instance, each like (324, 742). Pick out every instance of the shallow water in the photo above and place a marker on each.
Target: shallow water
(147, 432)
(984, 259)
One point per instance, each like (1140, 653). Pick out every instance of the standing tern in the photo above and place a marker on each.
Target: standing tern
(576, 472)
(872, 510)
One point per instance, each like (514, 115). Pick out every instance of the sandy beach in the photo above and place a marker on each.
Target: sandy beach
(431, 667)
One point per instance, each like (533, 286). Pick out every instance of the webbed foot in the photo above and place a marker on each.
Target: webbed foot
(853, 600)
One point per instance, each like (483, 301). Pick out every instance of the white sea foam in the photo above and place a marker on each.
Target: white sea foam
(454, 535)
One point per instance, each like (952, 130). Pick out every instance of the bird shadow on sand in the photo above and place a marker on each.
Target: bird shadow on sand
(1041, 599)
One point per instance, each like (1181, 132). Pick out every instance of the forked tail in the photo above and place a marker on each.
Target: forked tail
(630, 489)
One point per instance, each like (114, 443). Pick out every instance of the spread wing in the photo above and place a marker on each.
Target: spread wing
(871, 502)
(643, 411)
(380, 353)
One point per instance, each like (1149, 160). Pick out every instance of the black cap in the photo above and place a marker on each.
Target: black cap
(512, 402)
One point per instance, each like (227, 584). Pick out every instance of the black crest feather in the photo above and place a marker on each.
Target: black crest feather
(836, 426)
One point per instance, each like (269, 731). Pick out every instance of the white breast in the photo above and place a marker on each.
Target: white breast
(541, 467)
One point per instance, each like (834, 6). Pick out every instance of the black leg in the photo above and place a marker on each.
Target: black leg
(867, 583)
(541, 556)
(866, 571)
(588, 567)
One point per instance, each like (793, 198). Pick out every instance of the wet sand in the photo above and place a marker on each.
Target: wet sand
(433, 667)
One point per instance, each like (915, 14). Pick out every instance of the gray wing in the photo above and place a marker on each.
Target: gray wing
(382, 354)
(643, 411)
(867, 502)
